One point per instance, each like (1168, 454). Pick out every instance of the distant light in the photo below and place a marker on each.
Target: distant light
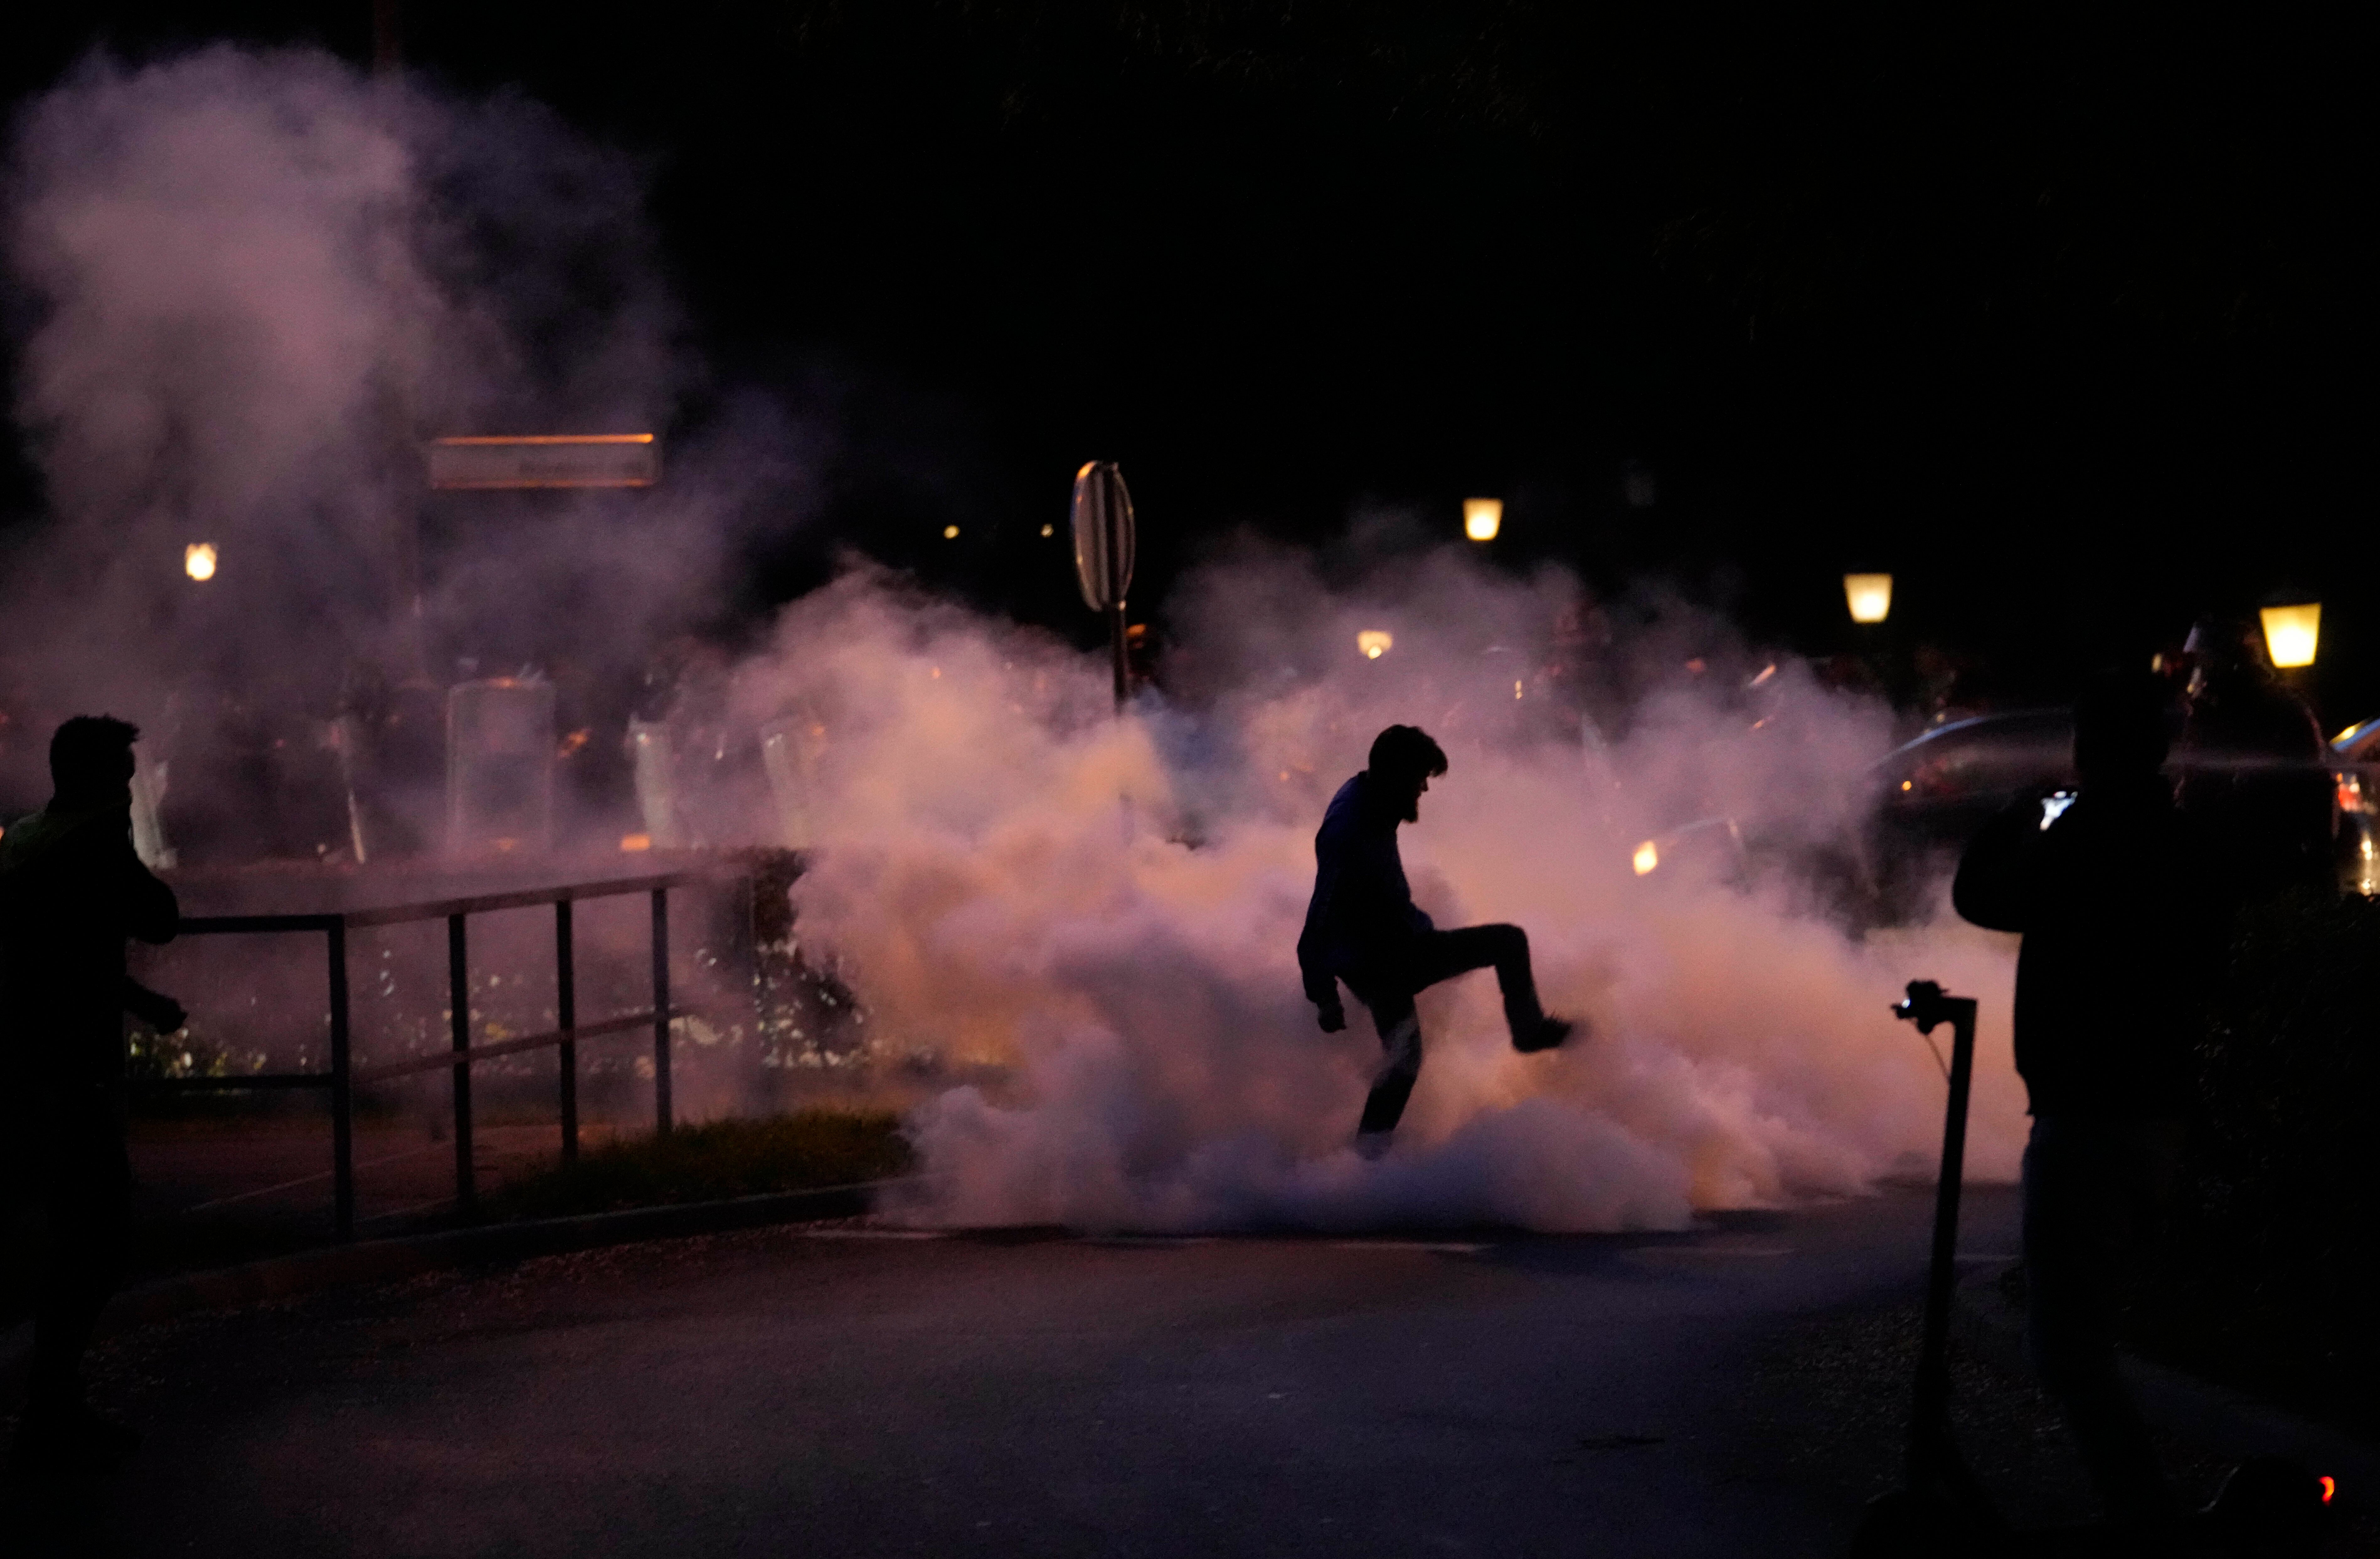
(199, 561)
(1766, 672)
(1049, 530)
(632, 843)
(1647, 858)
(950, 533)
(1516, 687)
(2290, 633)
(2330, 1488)
(1482, 518)
(1870, 596)
(1375, 643)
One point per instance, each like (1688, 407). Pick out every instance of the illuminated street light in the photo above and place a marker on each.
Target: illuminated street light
(1482, 518)
(1870, 596)
(1375, 643)
(199, 561)
(950, 533)
(1647, 859)
(2290, 633)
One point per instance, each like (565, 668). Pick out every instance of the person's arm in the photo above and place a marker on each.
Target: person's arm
(150, 911)
(1994, 888)
(1322, 984)
(155, 1008)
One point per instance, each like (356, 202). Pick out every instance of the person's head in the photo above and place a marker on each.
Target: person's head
(2224, 651)
(2122, 727)
(90, 759)
(1403, 761)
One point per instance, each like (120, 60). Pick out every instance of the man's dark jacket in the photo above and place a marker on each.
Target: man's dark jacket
(1362, 915)
(2123, 921)
(71, 890)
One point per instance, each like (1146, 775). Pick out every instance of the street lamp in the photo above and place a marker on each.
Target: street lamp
(199, 561)
(1869, 595)
(1482, 518)
(1375, 643)
(2290, 633)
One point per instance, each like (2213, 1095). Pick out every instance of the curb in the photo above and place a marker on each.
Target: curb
(2213, 1416)
(382, 1261)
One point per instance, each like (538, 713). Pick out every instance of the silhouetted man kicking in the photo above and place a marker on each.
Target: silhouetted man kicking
(71, 890)
(1362, 927)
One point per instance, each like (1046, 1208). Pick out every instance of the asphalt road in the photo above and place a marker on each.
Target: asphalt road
(856, 1392)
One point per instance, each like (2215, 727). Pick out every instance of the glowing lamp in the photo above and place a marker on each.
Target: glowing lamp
(2291, 631)
(950, 533)
(1482, 518)
(1645, 859)
(199, 561)
(1375, 643)
(1869, 595)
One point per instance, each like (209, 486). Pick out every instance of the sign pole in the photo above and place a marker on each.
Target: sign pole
(1104, 541)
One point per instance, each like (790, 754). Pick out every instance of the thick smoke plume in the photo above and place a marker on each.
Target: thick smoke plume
(1090, 920)
(247, 287)
(249, 284)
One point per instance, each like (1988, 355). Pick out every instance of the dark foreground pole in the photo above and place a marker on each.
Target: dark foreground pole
(566, 1018)
(343, 1133)
(1932, 1460)
(661, 1011)
(1122, 655)
(458, 997)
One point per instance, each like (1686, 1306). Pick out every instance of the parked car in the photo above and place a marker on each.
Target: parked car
(1921, 803)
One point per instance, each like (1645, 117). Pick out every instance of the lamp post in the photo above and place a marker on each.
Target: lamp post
(1104, 537)
(2291, 632)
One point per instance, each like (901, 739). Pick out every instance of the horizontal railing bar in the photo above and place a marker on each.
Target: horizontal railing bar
(202, 925)
(441, 1059)
(439, 909)
(239, 1080)
(527, 898)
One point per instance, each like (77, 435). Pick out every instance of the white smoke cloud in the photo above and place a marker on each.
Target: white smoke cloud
(1091, 922)
(252, 281)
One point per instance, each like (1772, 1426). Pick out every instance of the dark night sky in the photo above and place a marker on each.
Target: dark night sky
(2065, 319)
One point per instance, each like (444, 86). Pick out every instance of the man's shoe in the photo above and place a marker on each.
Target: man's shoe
(1548, 1034)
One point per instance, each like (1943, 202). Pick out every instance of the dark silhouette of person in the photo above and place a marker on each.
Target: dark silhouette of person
(2255, 770)
(2124, 909)
(1362, 927)
(71, 891)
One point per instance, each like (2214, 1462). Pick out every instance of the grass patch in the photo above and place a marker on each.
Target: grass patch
(726, 1158)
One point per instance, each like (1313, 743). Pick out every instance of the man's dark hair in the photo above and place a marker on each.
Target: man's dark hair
(89, 753)
(2123, 724)
(1407, 750)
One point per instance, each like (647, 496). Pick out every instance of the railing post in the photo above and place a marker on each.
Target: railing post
(343, 1133)
(661, 1011)
(566, 1018)
(459, 992)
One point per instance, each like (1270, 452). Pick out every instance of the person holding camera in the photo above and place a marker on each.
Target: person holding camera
(2122, 910)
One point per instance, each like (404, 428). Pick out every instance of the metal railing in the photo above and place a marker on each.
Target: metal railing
(343, 1077)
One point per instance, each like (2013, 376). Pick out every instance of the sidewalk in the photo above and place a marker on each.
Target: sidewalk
(2178, 1404)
